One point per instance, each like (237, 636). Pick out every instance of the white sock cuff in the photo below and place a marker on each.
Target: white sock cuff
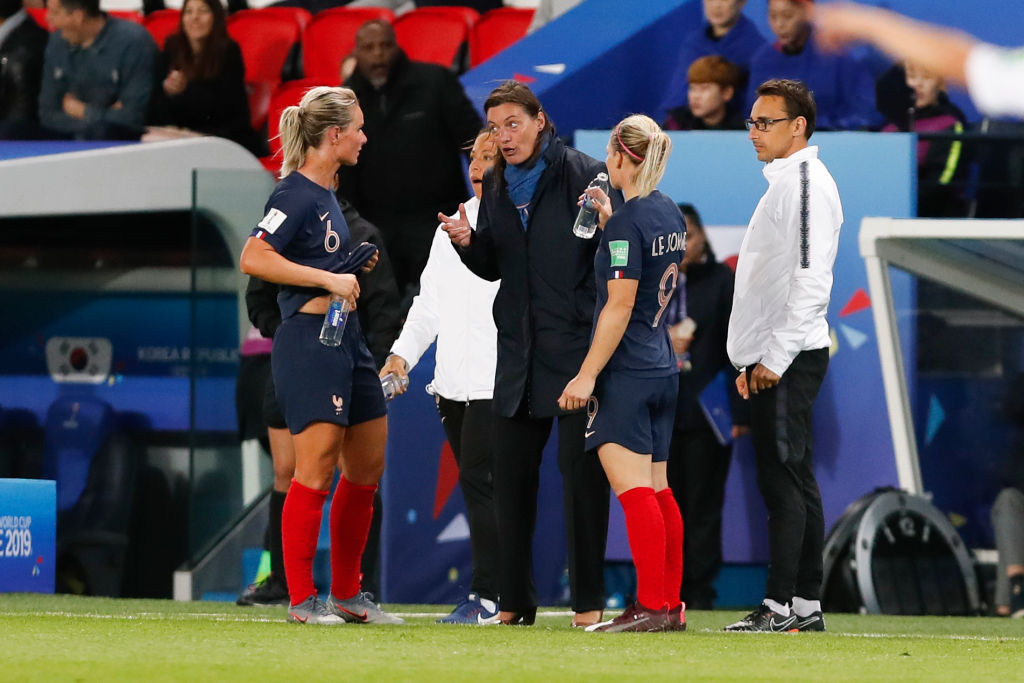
(776, 607)
(805, 608)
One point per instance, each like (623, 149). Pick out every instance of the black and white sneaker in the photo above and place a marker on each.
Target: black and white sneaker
(815, 621)
(1017, 597)
(270, 592)
(765, 620)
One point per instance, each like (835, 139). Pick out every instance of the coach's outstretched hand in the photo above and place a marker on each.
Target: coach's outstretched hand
(458, 229)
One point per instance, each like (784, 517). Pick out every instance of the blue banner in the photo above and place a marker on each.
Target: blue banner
(28, 535)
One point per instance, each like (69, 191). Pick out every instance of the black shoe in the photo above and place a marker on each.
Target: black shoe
(765, 619)
(815, 621)
(271, 592)
(524, 617)
(1017, 597)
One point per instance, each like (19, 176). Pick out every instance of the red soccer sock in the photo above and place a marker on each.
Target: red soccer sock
(351, 514)
(646, 530)
(300, 527)
(673, 546)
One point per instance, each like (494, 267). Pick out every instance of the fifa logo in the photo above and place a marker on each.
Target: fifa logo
(339, 404)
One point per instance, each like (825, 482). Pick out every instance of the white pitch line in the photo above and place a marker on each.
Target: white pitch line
(222, 617)
(923, 636)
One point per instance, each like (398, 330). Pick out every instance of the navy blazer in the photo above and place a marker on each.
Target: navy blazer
(545, 305)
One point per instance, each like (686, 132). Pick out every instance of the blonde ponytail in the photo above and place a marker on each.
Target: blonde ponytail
(293, 150)
(647, 146)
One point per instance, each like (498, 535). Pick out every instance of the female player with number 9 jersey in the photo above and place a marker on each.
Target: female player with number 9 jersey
(628, 380)
(330, 396)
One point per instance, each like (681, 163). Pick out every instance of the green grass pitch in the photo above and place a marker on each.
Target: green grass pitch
(66, 638)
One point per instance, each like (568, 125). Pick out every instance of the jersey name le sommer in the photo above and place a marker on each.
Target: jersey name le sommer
(304, 223)
(644, 240)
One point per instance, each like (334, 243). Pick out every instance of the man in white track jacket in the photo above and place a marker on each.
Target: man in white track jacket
(779, 339)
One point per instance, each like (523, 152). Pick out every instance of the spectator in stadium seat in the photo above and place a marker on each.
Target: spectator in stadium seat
(418, 119)
(992, 74)
(454, 307)
(843, 88)
(938, 161)
(725, 31)
(98, 74)
(698, 461)
(711, 97)
(22, 43)
(202, 88)
(543, 311)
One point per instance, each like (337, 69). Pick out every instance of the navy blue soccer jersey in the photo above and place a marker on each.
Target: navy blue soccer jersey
(644, 240)
(304, 223)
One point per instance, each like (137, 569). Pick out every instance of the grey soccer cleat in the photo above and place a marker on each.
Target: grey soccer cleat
(361, 609)
(313, 611)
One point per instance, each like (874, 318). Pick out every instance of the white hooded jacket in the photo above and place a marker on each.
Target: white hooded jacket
(453, 306)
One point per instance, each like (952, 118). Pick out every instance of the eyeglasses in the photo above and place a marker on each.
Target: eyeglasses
(763, 124)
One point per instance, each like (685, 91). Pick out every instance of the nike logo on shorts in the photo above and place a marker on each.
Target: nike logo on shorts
(587, 435)
(326, 214)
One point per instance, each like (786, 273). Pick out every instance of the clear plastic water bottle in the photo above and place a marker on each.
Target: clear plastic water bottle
(391, 383)
(334, 321)
(586, 222)
(684, 330)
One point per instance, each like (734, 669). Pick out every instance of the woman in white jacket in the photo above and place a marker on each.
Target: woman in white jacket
(454, 306)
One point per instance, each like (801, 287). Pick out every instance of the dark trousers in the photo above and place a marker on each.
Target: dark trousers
(519, 442)
(697, 469)
(468, 428)
(780, 424)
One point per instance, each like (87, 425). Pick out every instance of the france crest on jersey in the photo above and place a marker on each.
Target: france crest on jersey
(644, 240)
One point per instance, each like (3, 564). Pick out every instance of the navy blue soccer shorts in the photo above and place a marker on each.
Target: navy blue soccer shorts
(317, 383)
(636, 413)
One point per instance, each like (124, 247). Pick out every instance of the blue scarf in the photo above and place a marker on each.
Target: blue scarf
(522, 182)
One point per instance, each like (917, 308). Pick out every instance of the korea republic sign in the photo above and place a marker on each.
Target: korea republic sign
(28, 535)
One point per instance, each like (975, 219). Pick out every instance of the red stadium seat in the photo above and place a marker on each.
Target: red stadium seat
(300, 16)
(436, 34)
(285, 95)
(39, 15)
(496, 30)
(126, 14)
(331, 36)
(266, 40)
(162, 23)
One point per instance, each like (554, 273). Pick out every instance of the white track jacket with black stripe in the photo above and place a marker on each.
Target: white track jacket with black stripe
(784, 269)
